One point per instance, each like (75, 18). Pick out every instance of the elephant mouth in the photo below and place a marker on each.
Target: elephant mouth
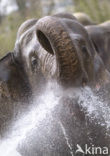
(45, 42)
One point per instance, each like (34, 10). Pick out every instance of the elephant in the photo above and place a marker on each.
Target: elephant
(83, 18)
(60, 48)
(100, 36)
(35, 65)
(56, 48)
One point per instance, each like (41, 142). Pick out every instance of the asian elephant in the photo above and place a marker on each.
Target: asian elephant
(57, 47)
(35, 59)
(83, 18)
(60, 48)
(100, 36)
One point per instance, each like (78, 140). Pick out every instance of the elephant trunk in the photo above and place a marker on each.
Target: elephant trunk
(53, 35)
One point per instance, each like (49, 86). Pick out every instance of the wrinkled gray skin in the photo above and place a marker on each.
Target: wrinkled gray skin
(100, 36)
(59, 47)
(83, 18)
(65, 52)
(24, 53)
(74, 65)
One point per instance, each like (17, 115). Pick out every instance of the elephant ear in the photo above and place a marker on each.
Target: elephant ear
(13, 80)
(4, 67)
(4, 75)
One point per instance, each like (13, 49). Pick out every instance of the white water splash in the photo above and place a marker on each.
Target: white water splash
(67, 139)
(44, 106)
(96, 109)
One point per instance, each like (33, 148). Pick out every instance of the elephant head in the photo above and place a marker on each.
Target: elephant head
(58, 47)
(65, 52)
(55, 47)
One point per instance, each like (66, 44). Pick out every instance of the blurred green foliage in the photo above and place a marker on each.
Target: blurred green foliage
(8, 30)
(98, 10)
